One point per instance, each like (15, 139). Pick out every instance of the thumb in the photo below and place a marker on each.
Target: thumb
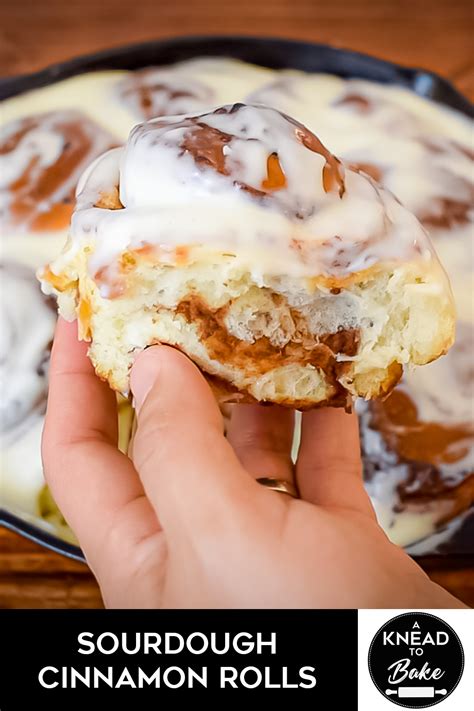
(189, 471)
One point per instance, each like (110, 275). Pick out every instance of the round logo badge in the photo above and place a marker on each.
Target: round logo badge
(416, 660)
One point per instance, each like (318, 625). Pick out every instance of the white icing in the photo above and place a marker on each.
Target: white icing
(91, 93)
(42, 142)
(170, 92)
(21, 474)
(172, 198)
(431, 543)
(453, 374)
(26, 331)
(27, 325)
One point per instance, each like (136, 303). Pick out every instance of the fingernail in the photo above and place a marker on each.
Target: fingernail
(144, 374)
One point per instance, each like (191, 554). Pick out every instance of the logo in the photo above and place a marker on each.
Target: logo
(416, 660)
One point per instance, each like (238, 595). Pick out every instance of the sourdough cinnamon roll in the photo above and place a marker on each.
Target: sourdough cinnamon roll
(27, 322)
(236, 236)
(429, 171)
(159, 91)
(422, 437)
(427, 154)
(191, 86)
(41, 160)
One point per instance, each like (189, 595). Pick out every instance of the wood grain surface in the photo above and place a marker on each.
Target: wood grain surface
(432, 34)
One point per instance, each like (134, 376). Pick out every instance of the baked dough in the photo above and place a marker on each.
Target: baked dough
(237, 237)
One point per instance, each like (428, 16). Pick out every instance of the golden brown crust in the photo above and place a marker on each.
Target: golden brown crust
(59, 282)
(384, 379)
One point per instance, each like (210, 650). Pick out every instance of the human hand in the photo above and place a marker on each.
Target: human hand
(183, 523)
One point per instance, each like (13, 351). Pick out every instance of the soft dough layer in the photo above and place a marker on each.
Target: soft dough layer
(237, 237)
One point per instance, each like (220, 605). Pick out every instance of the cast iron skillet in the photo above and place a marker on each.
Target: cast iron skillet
(277, 54)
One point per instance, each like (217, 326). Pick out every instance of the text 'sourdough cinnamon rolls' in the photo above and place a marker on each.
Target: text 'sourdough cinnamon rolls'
(237, 237)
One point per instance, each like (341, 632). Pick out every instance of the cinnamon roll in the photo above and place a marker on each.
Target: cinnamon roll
(236, 236)
(427, 162)
(27, 321)
(27, 332)
(41, 160)
(188, 87)
(157, 91)
(418, 445)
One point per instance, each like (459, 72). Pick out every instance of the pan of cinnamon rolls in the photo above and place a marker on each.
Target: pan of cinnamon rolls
(317, 309)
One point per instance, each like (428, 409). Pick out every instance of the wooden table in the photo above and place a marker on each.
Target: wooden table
(433, 34)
